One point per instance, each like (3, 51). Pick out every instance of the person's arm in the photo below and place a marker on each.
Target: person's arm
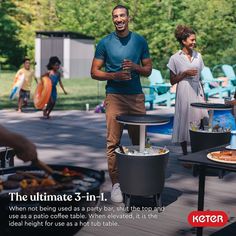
(98, 74)
(35, 79)
(18, 73)
(145, 69)
(62, 87)
(25, 149)
(174, 79)
(33, 75)
(233, 102)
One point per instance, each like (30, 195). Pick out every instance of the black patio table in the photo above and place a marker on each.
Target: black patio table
(200, 159)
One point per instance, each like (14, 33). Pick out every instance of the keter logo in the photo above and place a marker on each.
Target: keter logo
(207, 218)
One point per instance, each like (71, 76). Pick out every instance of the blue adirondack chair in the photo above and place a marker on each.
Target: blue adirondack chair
(208, 80)
(159, 89)
(229, 73)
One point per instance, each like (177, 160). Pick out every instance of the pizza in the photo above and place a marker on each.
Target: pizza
(223, 156)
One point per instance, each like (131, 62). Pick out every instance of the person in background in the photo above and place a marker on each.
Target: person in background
(125, 56)
(24, 94)
(55, 77)
(24, 149)
(185, 67)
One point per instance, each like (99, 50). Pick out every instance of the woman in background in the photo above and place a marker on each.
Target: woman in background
(185, 67)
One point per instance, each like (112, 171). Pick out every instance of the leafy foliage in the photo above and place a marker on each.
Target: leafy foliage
(213, 20)
(10, 48)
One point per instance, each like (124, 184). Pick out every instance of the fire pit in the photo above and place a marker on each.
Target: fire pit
(142, 170)
(84, 190)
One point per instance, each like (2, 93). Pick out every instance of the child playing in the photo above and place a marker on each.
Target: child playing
(55, 77)
(24, 94)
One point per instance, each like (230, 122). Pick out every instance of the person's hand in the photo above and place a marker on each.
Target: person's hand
(122, 75)
(190, 73)
(228, 102)
(26, 150)
(128, 65)
(65, 93)
(40, 82)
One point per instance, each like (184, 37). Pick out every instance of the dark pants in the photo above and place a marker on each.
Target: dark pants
(24, 94)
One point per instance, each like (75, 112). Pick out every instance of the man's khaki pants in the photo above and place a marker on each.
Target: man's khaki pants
(120, 104)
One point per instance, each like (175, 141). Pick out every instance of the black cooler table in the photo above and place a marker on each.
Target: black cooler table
(142, 175)
(211, 107)
(201, 140)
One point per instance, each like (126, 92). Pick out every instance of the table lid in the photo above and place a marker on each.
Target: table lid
(211, 105)
(142, 119)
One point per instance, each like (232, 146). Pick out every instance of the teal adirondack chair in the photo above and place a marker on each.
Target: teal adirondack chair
(159, 89)
(149, 96)
(228, 71)
(208, 79)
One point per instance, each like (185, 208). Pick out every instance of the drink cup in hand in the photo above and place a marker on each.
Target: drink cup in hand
(125, 69)
(190, 73)
(129, 73)
(195, 71)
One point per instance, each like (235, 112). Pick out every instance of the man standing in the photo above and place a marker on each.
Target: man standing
(125, 56)
(24, 94)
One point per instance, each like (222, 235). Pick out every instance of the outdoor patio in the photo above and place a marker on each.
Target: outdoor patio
(79, 138)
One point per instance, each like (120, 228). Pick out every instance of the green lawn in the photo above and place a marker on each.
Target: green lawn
(80, 92)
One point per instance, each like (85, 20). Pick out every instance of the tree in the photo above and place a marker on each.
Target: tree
(32, 16)
(10, 50)
(213, 20)
(215, 23)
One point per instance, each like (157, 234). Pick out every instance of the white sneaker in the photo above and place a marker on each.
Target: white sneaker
(116, 194)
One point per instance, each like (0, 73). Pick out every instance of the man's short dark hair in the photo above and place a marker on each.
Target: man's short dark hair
(26, 59)
(121, 7)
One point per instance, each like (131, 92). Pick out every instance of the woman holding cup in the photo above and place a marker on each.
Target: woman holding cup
(185, 67)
